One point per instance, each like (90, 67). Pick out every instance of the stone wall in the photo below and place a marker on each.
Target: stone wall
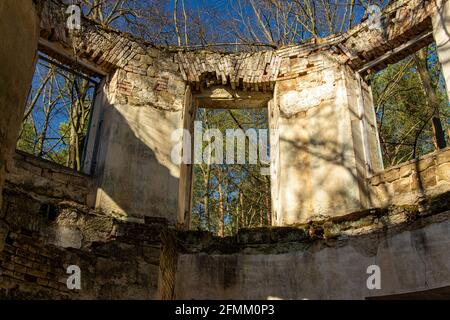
(114, 224)
(43, 234)
(412, 182)
(140, 104)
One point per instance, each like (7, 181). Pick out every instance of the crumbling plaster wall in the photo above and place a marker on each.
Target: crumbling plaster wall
(20, 33)
(45, 224)
(321, 162)
(117, 260)
(141, 104)
(323, 154)
(327, 137)
(125, 260)
(144, 104)
(317, 164)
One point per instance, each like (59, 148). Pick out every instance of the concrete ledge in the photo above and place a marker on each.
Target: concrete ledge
(276, 240)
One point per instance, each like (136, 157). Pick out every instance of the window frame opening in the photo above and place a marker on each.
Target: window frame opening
(52, 115)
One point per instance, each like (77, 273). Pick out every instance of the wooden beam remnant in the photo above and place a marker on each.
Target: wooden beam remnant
(427, 38)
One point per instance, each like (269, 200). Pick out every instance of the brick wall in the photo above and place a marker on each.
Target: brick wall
(45, 227)
(118, 260)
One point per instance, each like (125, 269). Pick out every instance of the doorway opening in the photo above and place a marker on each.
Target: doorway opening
(231, 186)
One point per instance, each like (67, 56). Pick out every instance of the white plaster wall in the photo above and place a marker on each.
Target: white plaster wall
(441, 33)
(413, 260)
(318, 174)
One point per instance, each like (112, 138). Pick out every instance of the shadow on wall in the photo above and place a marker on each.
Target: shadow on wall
(412, 183)
(134, 173)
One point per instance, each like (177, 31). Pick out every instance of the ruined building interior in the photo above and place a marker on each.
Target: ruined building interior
(124, 219)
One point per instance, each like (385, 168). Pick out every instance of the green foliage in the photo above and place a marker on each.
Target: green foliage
(28, 139)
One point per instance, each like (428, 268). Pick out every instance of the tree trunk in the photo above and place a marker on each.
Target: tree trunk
(420, 60)
(237, 212)
(42, 136)
(206, 178)
(71, 158)
(41, 139)
(221, 209)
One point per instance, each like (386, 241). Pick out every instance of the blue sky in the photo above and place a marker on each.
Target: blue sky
(224, 9)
